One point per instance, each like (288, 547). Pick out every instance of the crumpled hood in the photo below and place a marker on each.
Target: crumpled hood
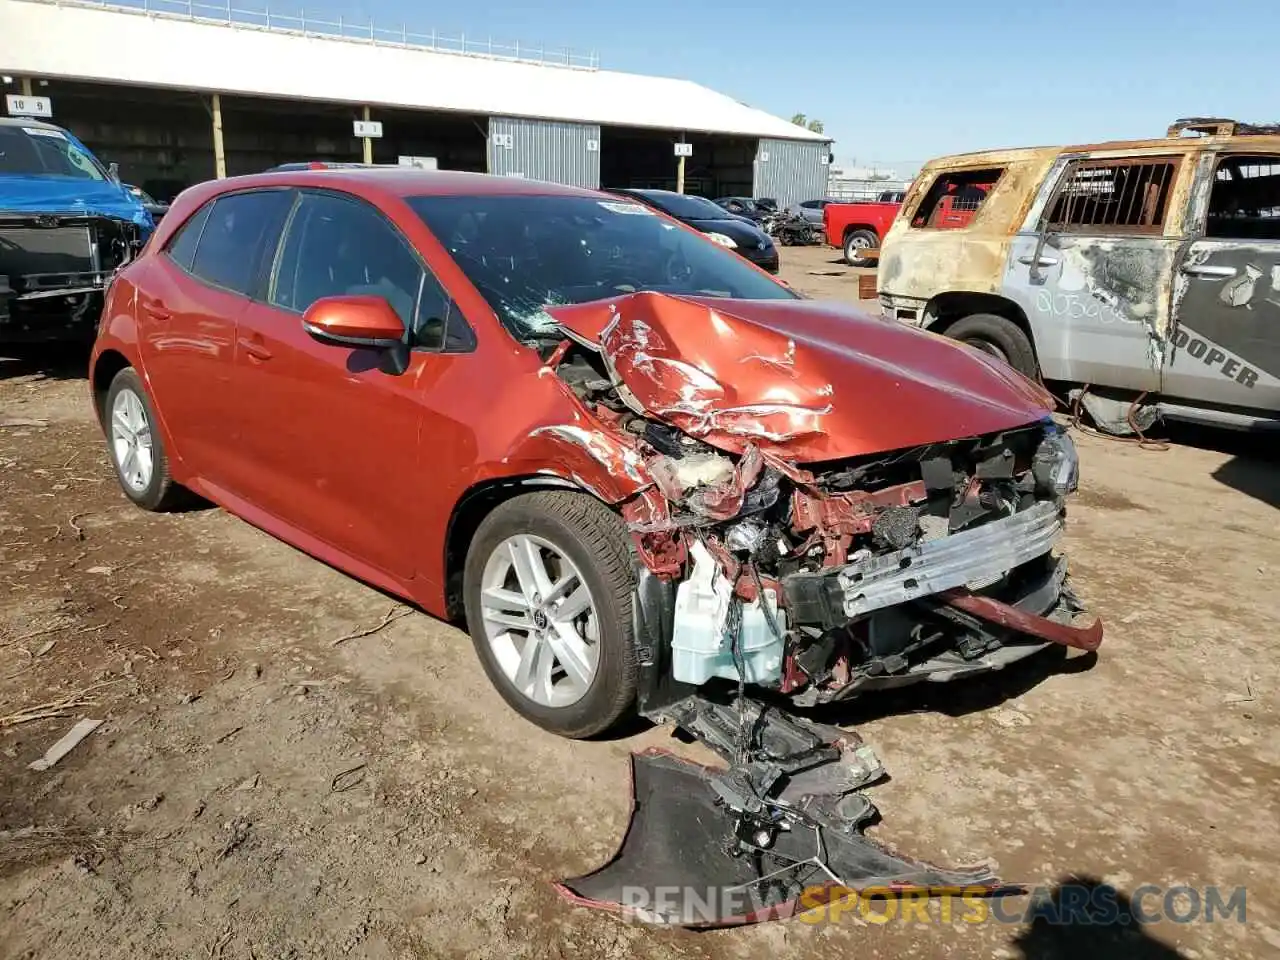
(809, 380)
(68, 196)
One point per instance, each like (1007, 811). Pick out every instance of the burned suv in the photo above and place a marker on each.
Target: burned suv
(66, 226)
(1143, 275)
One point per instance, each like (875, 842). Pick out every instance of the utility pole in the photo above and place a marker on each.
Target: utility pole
(368, 141)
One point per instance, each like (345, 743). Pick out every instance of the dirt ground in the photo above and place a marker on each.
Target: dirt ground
(260, 790)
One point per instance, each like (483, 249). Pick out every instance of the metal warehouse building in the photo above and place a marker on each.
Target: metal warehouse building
(179, 92)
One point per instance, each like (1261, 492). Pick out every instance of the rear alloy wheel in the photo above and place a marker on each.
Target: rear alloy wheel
(1001, 338)
(857, 241)
(548, 585)
(137, 450)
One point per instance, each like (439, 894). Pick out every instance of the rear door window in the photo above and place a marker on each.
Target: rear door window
(955, 197)
(1113, 197)
(239, 230)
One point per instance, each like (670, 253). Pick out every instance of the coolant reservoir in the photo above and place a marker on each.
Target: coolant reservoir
(699, 647)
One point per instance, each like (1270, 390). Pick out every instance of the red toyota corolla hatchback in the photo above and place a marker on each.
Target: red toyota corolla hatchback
(631, 460)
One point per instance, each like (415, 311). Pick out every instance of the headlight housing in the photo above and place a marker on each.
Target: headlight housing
(1056, 466)
(724, 241)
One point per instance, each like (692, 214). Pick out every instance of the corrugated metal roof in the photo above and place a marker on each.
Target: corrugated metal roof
(89, 42)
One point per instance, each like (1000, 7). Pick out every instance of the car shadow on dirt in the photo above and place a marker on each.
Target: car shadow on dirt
(1254, 478)
(953, 699)
(1254, 467)
(1084, 917)
(48, 361)
(961, 696)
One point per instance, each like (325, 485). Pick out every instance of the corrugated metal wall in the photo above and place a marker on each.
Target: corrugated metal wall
(792, 171)
(551, 150)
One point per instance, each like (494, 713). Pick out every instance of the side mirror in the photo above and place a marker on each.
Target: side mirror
(360, 321)
(113, 171)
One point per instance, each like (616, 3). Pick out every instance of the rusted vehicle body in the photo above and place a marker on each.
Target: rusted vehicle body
(1145, 275)
(647, 473)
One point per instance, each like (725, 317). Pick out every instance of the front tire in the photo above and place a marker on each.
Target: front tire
(1000, 337)
(136, 447)
(548, 588)
(857, 241)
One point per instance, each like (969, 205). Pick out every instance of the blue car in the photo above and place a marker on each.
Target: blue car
(67, 225)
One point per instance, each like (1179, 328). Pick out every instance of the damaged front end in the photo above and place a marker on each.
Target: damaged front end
(55, 269)
(822, 520)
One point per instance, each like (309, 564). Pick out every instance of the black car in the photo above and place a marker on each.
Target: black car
(323, 165)
(725, 228)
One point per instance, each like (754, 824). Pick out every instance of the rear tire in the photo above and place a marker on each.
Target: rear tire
(855, 241)
(1000, 337)
(136, 447)
(555, 527)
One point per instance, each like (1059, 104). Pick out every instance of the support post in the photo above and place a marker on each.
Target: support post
(219, 153)
(680, 175)
(368, 141)
(26, 87)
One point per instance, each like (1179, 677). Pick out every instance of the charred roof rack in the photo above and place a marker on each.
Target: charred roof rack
(1220, 127)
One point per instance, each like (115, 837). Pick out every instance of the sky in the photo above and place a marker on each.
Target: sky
(901, 81)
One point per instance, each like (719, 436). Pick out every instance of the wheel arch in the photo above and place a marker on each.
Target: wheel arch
(855, 227)
(105, 367)
(947, 309)
(476, 503)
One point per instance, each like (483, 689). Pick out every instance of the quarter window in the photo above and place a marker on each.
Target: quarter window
(955, 198)
(1244, 203)
(182, 248)
(238, 229)
(1113, 196)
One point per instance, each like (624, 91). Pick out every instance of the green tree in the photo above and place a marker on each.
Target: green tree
(800, 120)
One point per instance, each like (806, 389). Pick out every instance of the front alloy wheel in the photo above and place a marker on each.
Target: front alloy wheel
(540, 621)
(548, 587)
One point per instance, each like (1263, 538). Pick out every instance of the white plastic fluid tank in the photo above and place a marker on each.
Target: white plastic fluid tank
(699, 647)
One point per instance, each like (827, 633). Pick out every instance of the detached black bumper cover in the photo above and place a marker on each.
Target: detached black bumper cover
(770, 836)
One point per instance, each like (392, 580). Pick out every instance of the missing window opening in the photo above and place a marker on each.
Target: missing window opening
(1244, 203)
(955, 198)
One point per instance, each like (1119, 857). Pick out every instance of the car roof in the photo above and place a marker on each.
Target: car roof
(1243, 141)
(404, 182)
(21, 122)
(376, 185)
(646, 192)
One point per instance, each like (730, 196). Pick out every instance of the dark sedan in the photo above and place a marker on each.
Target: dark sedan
(718, 224)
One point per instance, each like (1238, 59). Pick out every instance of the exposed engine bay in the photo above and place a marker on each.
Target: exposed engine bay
(55, 268)
(761, 562)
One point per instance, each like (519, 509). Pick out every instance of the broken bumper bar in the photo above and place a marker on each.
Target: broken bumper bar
(971, 558)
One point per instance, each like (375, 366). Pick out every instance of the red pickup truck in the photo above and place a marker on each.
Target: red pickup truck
(859, 226)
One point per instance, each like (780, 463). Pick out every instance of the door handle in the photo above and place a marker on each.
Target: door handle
(1041, 261)
(156, 310)
(1205, 270)
(255, 348)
